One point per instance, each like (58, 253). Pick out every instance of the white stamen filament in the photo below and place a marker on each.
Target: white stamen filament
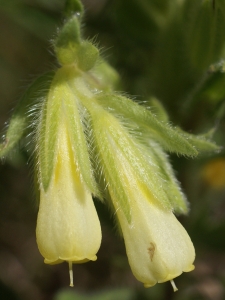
(174, 286)
(71, 273)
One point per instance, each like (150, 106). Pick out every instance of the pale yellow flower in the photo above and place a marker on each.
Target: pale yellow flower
(157, 245)
(68, 228)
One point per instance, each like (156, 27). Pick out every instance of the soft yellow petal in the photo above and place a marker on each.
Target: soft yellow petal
(68, 228)
(158, 247)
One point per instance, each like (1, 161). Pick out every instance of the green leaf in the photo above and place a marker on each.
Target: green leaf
(20, 120)
(158, 109)
(169, 138)
(201, 142)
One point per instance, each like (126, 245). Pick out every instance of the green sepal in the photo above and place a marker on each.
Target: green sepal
(142, 164)
(72, 7)
(48, 131)
(63, 106)
(20, 119)
(109, 167)
(201, 142)
(144, 120)
(158, 109)
(75, 116)
(170, 184)
(100, 152)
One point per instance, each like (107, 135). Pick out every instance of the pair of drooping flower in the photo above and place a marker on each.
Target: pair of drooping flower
(88, 146)
(91, 141)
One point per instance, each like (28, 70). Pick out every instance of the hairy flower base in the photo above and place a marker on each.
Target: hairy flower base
(158, 247)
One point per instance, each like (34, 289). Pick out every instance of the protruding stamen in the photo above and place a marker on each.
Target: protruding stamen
(174, 286)
(71, 273)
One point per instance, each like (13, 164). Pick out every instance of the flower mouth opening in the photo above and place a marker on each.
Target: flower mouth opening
(73, 260)
(191, 268)
(148, 285)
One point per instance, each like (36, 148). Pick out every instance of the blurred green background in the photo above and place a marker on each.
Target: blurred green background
(171, 50)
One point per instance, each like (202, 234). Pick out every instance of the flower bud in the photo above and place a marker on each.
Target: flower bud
(68, 41)
(87, 55)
